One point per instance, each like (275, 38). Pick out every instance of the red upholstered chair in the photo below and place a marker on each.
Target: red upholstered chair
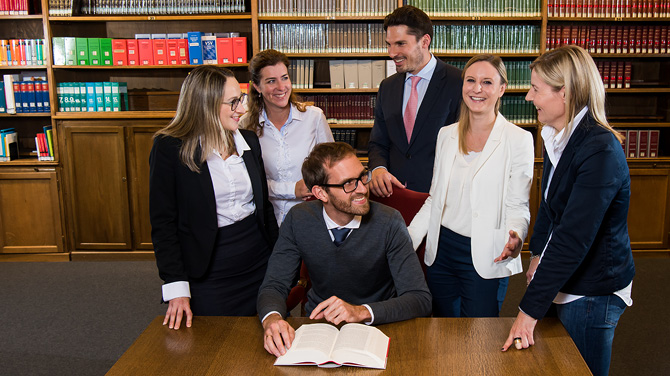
(408, 203)
(298, 294)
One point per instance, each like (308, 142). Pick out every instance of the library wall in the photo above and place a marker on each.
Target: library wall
(74, 184)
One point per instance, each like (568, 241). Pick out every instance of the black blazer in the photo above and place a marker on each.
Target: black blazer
(182, 208)
(412, 163)
(587, 209)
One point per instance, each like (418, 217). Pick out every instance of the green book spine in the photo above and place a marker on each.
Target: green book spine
(81, 45)
(106, 51)
(116, 101)
(99, 97)
(70, 51)
(94, 54)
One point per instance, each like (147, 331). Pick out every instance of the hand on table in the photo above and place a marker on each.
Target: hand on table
(277, 335)
(522, 328)
(336, 310)
(177, 307)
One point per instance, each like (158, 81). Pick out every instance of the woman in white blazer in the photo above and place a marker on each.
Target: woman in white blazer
(476, 216)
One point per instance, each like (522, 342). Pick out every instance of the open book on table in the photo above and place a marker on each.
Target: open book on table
(355, 345)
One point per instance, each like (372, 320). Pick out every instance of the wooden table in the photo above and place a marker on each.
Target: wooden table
(423, 346)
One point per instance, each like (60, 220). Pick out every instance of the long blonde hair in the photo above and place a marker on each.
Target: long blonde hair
(573, 68)
(265, 58)
(464, 118)
(197, 122)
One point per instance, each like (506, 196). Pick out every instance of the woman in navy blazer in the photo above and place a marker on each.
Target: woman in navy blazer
(213, 227)
(580, 250)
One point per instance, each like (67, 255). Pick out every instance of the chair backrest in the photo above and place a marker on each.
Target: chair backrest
(408, 203)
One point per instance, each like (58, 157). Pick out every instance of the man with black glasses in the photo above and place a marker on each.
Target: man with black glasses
(359, 255)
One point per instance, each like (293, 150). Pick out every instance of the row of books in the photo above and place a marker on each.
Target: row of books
(359, 74)
(19, 52)
(517, 110)
(9, 145)
(14, 7)
(29, 95)
(637, 39)
(640, 143)
(44, 144)
(64, 8)
(348, 136)
(323, 38)
(92, 96)
(345, 109)
(315, 8)
(302, 74)
(518, 73)
(486, 39)
(152, 49)
(608, 8)
(615, 74)
(479, 8)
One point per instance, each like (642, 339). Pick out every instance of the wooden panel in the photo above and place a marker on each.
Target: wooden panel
(649, 213)
(97, 190)
(30, 219)
(535, 199)
(140, 140)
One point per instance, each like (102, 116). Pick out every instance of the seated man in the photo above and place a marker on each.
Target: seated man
(359, 255)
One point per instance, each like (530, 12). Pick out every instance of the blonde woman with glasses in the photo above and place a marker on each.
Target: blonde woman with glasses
(213, 227)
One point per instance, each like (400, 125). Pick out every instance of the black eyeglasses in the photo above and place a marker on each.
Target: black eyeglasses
(351, 185)
(236, 102)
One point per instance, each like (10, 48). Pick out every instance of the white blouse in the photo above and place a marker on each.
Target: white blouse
(284, 151)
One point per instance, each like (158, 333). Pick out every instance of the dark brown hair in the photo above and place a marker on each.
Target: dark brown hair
(417, 21)
(323, 156)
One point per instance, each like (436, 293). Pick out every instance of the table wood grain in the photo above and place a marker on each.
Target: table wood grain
(422, 346)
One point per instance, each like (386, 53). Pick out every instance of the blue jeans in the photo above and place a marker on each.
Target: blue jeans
(457, 288)
(591, 321)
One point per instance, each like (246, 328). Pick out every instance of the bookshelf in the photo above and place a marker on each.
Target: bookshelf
(91, 201)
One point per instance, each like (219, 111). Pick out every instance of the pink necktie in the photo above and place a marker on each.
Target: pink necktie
(410, 110)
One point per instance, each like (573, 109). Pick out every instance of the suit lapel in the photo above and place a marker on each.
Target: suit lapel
(492, 142)
(575, 142)
(205, 180)
(255, 177)
(437, 82)
(395, 93)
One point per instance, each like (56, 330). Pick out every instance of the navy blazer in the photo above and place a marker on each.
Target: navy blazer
(586, 209)
(412, 163)
(182, 208)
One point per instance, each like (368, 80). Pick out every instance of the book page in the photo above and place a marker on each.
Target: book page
(362, 345)
(312, 345)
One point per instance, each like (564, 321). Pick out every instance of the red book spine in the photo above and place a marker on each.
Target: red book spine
(599, 40)
(550, 8)
(619, 74)
(18, 97)
(632, 144)
(145, 50)
(240, 50)
(633, 8)
(172, 51)
(657, 39)
(583, 37)
(133, 54)
(159, 48)
(624, 39)
(664, 39)
(565, 38)
(593, 39)
(183, 52)
(653, 143)
(619, 39)
(119, 53)
(643, 142)
(627, 70)
(574, 35)
(638, 39)
(224, 50)
(606, 74)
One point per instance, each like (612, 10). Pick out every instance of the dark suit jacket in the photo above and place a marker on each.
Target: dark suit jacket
(182, 208)
(587, 208)
(412, 163)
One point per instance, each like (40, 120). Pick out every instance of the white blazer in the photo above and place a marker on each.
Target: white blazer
(499, 196)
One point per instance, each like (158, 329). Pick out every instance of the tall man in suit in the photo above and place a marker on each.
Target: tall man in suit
(358, 253)
(412, 105)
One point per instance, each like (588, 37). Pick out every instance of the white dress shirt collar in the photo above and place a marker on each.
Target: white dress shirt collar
(265, 122)
(554, 142)
(330, 224)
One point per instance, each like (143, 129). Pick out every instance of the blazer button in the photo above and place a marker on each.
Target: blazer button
(475, 215)
(408, 156)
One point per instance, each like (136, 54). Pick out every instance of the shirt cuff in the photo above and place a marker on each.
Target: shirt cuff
(269, 313)
(384, 167)
(179, 289)
(372, 315)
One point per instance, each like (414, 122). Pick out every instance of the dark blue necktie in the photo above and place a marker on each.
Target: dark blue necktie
(339, 234)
